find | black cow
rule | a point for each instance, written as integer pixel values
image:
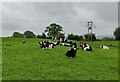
(72, 52)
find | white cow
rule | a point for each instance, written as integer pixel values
(104, 47)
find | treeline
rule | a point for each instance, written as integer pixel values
(55, 31)
(26, 34)
(30, 34)
(86, 37)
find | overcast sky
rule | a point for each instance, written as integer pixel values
(72, 16)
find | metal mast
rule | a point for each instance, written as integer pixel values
(90, 27)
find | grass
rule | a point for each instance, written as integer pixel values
(0, 59)
(29, 62)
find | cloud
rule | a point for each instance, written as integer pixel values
(35, 16)
(60, 0)
(0, 19)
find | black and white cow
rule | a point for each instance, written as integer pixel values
(46, 45)
(104, 47)
(64, 42)
(86, 47)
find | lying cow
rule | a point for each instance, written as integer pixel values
(72, 52)
(65, 42)
(104, 47)
(86, 47)
(46, 45)
(70, 44)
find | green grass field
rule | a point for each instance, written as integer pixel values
(0, 59)
(29, 62)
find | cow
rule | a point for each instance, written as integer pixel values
(71, 53)
(66, 44)
(63, 42)
(104, 47)
(74, 45)
(66, 40)
(46, 45)
(42, 44)
(86, 47)
(70, 44)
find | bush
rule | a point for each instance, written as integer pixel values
(88, 37)
(38, 36)
(17, 35)
(29, 34)
(98, 40)
(48, 37)
(108, 39)
(75, 37)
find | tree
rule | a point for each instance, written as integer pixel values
(17, 35)
(61, 35)
(38, 36)
(81, 37)
(29, 34)
(117, 33)
(43, 35)
(88, 37)
(54, 30)
(70, 36)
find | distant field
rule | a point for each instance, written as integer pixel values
(29, 62)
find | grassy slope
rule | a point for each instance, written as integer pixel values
(0, 59)
(30, 62)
